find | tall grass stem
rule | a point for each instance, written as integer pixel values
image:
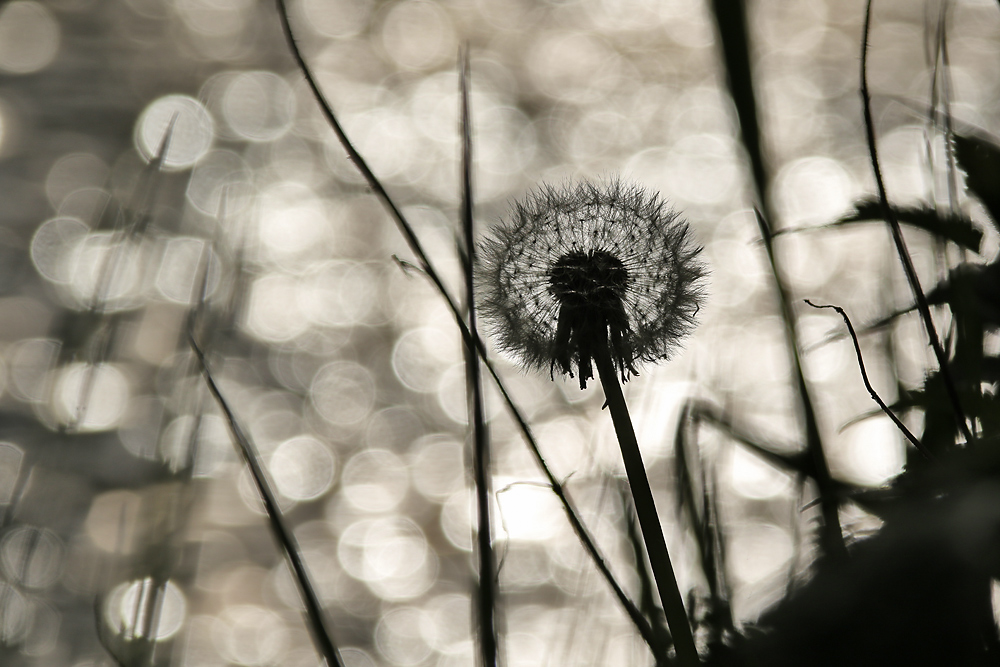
(488, 594)
(731, 21)
(897, 236)
(321, 635)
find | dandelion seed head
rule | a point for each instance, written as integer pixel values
(595, 264)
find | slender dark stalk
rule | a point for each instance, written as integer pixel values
(406, 229)
(645, 510)
(488, 593)
(730, 17)
(322, 637)
(831, 535)
(868, 385)
(897, 236)
(730, 20)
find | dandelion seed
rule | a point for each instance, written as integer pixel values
(588, 266)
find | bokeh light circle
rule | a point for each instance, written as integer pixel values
(15, 614)
(273, 314)
(438, 466)
(190, 137)
(50, 247)
(220, 184)
(302, 468)
(29, 37)
(399, 639)
(375, 480)
(126, 606)
(390, 555)
(258, 106)
(106, 270)
(91, 398)
(418, 34)
(337, 18)
(31, 556)
(250, 635)
(420, 356)
(759, 550)
(343, 393)
(72, 172)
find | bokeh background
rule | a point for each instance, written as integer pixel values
(116, 470)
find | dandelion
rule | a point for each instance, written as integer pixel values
(601, 275)
(596, 264)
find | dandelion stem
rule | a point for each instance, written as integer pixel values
(645, 510)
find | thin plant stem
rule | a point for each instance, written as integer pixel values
(731, 20)
(322, 637)
(831, 536)
(897, 236)
(425, 265)
(645, 510)
(868, 385)
(488, 593)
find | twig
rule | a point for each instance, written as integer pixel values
(425, 265)
(868, 385)
(897, 237)
(322, 637)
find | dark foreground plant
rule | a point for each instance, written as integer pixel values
(600, 275)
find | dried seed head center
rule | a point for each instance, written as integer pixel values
(590, 287)
(592, 279)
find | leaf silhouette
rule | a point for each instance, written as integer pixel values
(959, 230)
(980, 159)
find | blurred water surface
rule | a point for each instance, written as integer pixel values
(117, 478)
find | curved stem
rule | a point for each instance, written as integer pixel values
(427, 267)
(645, 510)
(897, 236)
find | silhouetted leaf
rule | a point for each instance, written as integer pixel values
(959, 230)
(980, 159)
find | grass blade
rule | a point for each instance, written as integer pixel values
(730, 18)
(322, 637)
(488, 593)
(957, 228)
(702, 512)
(731, 22)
